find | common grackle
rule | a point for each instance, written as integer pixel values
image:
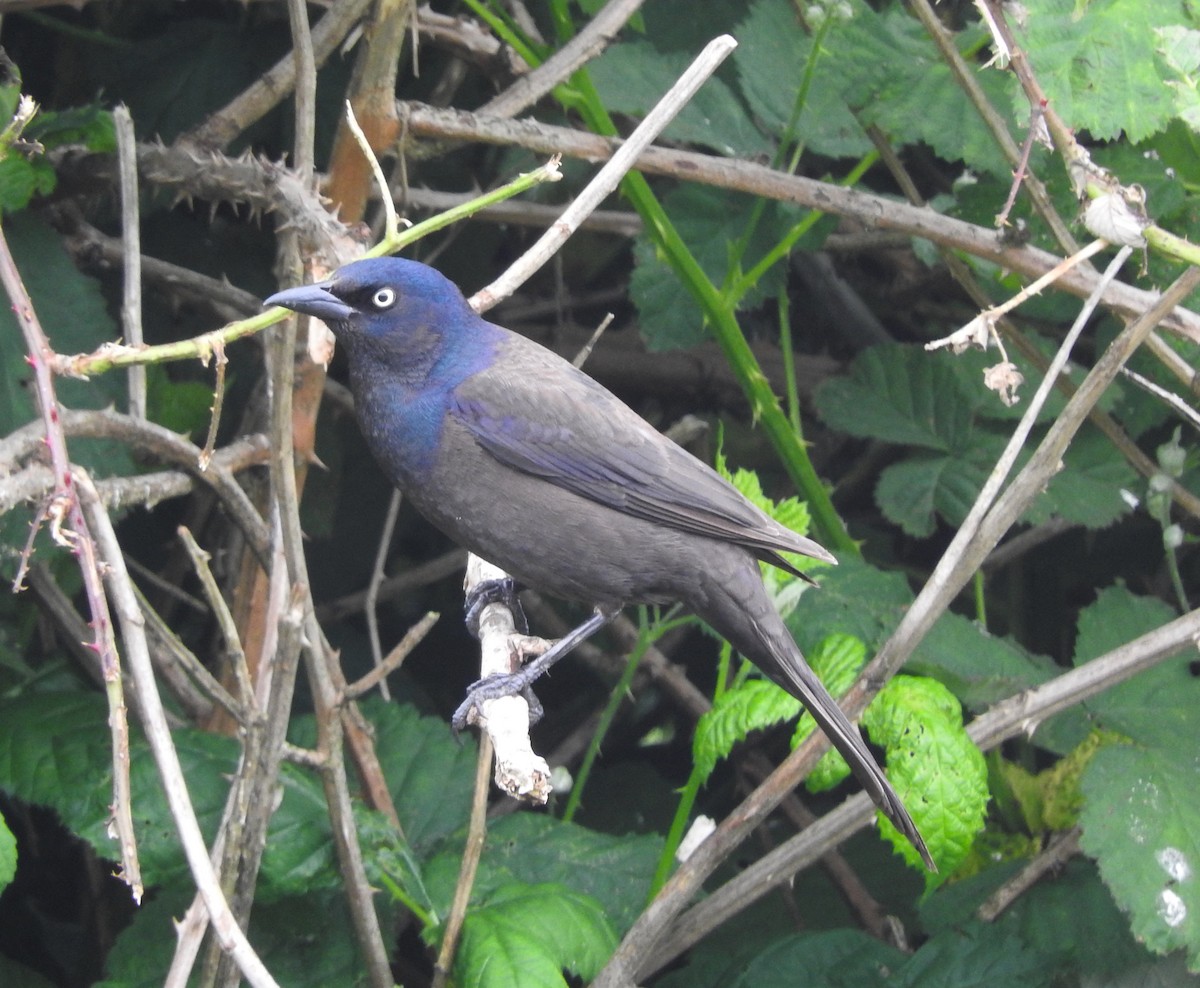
(529, 463)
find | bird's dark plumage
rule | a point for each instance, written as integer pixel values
(528, 462)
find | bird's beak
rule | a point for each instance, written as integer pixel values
(313, 300)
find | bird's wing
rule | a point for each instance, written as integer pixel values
(543, 417)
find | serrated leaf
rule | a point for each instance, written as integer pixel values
(829, 957)
(1100, 71)
(753, 705)
(429, 774)
(528, 934)
(1139, 823)
(901, 394)
(917, 491)
(978, 668)
(8, 854)
(770, 60)
(632, 76)
(934, 767)
(922, 101)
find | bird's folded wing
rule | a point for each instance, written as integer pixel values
(580, 437)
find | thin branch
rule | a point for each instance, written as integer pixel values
(158, 734)
(877, 212)
(394, 659)
(609, 177)
(472, 853)
(1062, 848)
(131, 306)
(1018, 715)
(276, 85)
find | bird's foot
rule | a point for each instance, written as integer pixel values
(496, 687)
(502, 591)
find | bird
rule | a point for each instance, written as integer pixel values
(531, 464)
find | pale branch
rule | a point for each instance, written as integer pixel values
(158, 734)
(158, 442)
(877, 213)
(609, 177)
(1018, 715)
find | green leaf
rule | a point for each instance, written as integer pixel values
(92, 126)
(55, 751)
(21, 179)
(1100, 70)
(614, 870)
(1087, 490)
(917, 491)
(901, 394)
(1156, 707)
(1139, 822)
(429, 774)
(921, 100)
(8, 854)
(751, 706)
(709, 221)
(856, 599)
(934, 766)
(528, 934)
(979, 668)
(973, 958)
(830, 957)
(770, 60)
(1069, 916)
(632, 76)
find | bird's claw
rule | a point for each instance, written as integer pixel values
(502, 591)
(495, 687)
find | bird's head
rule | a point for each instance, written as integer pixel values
(377, 296)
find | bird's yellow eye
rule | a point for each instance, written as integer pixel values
(384, 298)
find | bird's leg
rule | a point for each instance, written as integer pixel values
(502, 591)
(513, 684)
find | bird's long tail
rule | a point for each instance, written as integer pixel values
(759, 633)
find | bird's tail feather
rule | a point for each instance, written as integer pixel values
(793, 673)
(738, 608)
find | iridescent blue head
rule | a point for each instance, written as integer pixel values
(412, 339)
(377, 295)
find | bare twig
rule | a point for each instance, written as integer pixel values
(607, 179)
(275, 86)
(1062, 847)
(392, 661)
(877, 212)
(472, 852)
(377, 573)
(231, 937)
(1017, 715)
(131, 306)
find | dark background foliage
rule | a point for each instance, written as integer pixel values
(897, 443)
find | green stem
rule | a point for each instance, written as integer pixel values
(789, 360)
(648, 634)
(202, 347)
(683, 813)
